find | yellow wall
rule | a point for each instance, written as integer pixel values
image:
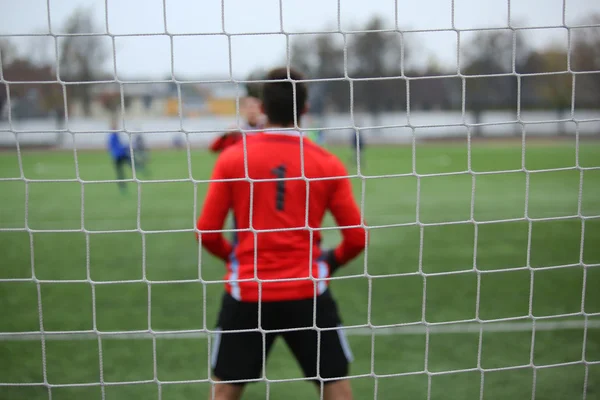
(214, 106)
(221, 106)
(172, 106)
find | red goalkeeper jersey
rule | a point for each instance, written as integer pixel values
(272, 249)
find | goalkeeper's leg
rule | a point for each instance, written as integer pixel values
(338, 390)
(239, 356)
(225, 391)
(324, 356)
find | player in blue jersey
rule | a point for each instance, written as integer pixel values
(119, 154)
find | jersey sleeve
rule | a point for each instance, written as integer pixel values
(216, 206)
(346, 213)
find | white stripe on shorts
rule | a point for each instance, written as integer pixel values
(215, 348)
(345, 344)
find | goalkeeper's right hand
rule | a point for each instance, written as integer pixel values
(328, 256)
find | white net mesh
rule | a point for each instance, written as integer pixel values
(502, 291)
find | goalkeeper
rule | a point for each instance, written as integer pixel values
(250, 109)
(292, 268)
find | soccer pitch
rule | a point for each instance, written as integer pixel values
(402, 282)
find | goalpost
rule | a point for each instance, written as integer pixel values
(575, 126)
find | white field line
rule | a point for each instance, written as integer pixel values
(470, 327)
(373, 218)
(93, 224)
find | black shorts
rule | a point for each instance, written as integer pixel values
(240, 355)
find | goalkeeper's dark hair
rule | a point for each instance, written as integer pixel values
(278, 97)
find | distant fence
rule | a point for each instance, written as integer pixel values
(388, 128)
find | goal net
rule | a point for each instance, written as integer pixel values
(469, 131)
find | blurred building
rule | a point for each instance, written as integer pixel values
(33, 91)
(222, 98)
(158, 99)
(138, 100)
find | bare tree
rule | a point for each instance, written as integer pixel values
(41, 50)
(302, 54)
(8, 52)
(318, 56)
(376, 54)
(585, 56)
(322, 57)
(81, 55)
(491, 53)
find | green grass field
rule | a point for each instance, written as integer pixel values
(394, 366)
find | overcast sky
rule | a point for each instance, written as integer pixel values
(195, 56)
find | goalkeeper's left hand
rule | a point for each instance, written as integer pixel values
(328, 256)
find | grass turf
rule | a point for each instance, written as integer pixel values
(396, 200)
